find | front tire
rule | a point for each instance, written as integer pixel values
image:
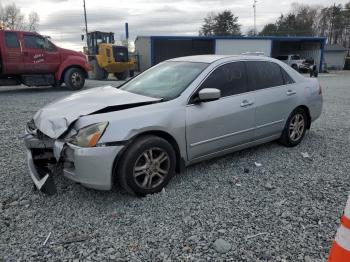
(74, 79)
(122, 76)
(98, 72)
(147, 166)
(295, 128)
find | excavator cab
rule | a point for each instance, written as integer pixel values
(106, 58)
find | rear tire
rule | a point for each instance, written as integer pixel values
(98, 72)
(295, 128)
(122, 76)
(74, 78)
(146, 166)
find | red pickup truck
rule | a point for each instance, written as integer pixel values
(31, 59)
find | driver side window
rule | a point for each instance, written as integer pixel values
(230, 79)
(34, 41)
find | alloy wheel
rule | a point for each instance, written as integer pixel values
(296, 127)
(151, 168)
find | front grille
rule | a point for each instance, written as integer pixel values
(120, 54)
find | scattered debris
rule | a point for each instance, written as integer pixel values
(187, 249)
(79, 238)
(258, 164)
(47, 239)
(305, 155)
(246, 170)
(256, 235)
(269, 186)
(238, 184)
(222, 246)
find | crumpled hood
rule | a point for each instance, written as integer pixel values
(55, 118)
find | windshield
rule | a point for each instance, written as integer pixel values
(166, 80)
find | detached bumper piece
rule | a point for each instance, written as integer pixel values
(90, 167)
(40, 160)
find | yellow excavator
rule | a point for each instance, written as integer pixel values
(107, 58)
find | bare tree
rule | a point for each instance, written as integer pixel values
(12, 18)
(33, 21)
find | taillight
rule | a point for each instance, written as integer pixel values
(319, 90)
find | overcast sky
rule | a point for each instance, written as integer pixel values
(63, 20)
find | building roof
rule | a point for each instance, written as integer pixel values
(335, 48)
(276, 38)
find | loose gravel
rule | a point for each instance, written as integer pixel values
(226, 209)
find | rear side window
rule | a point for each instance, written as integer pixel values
(33, 41)
(264, 75)
(11, 40)
(286, 77)
(230, 79)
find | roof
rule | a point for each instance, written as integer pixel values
(335, 48)
(214, 58)
(276, 38)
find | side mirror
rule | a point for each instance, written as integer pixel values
(208, 94)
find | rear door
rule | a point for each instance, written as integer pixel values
(39, 57)
(221, 124)
(271, 97)
(13, 60)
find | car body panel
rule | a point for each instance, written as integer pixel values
(55, 118)
(230, 124)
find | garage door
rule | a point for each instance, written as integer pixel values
(164, 49)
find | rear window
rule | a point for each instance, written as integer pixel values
(11, 40)
(286, 77)
(264, 75)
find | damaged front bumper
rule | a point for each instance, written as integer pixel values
(91, 167)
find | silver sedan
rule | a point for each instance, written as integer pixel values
(177, 113)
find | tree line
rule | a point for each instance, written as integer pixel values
(12, 18)
(332, 22)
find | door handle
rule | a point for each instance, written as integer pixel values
(246, 103)
(291, 92)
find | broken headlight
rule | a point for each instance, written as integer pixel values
(89, 136)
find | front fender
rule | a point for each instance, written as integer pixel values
(73, 61)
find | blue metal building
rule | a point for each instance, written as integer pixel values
(154, 49)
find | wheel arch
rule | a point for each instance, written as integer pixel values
(86, 75)
(308, 115)
(180, 162)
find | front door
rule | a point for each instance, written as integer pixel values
(38, 58)
(221, 124)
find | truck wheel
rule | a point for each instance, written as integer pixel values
(98, 72)
(122, 75)
(74, 79)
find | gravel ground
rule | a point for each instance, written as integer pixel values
(227, 209)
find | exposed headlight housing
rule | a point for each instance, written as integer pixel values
(89, 136)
